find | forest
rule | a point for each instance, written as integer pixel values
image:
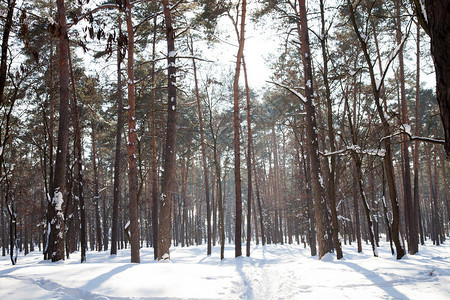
(121, 127)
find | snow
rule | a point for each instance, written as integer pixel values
(272, 272)
(58, 200)
(407, 129)
(171, 54)
(308, 84)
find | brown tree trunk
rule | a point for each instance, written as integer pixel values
(258, 197)
(154, 166)
(98, 229)
(236, 126)
(417, 133)
(249, 164)
(439, 30)
(56, 235)
(203, 148)
(5, 45)
(116, 193)
(169, 159)
(320, 207)
(331, 136)
(79, 189)
(132, 167)
(410, 220)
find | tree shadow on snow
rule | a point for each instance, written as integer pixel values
(380, 282)
(97, 281)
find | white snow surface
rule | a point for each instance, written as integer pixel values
(272, 272)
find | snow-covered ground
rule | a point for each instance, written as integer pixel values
(272, 272)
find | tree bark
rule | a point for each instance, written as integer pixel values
(98, 229)
(331, 136)
(249, 164)
(116, 193)
(79, 166)
(437, 25)
(132, 167)
(203, 148)
(321, 211)
(56, 229)
(154, 166)
(236, 126)
(410, 220)
(5, 45)
(167, 185)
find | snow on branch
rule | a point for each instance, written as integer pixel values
(357, 149)
(406, 129)
(294, 92)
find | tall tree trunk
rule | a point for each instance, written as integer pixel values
(411, 220)
(417, 133)
(79, 189)
(249, 164)
(258, 197)
(236, 126)
(98, 229)
(56, 229)
(203, 148)
(132, 167)
(320, 206)
(167, 186)
(116, 200)
(154, 166)
(331, 136)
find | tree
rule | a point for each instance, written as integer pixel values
(132, 168)
(119, 128)
(388, 157)
(236, 127)
(55, 244)
(167, 186)
(203, 148)
(436, 24)
(319, 202)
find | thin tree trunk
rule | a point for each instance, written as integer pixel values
(116, 200)
(249, 164)
(203, 148)
(169, 159)
(417, 133)
(3, 224)
(79, 166)
(98, 230)
(258, 197)
(411, 220)
(236, 126)
(331, 136)
(132, 167)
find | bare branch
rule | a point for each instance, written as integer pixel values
(294, 92)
